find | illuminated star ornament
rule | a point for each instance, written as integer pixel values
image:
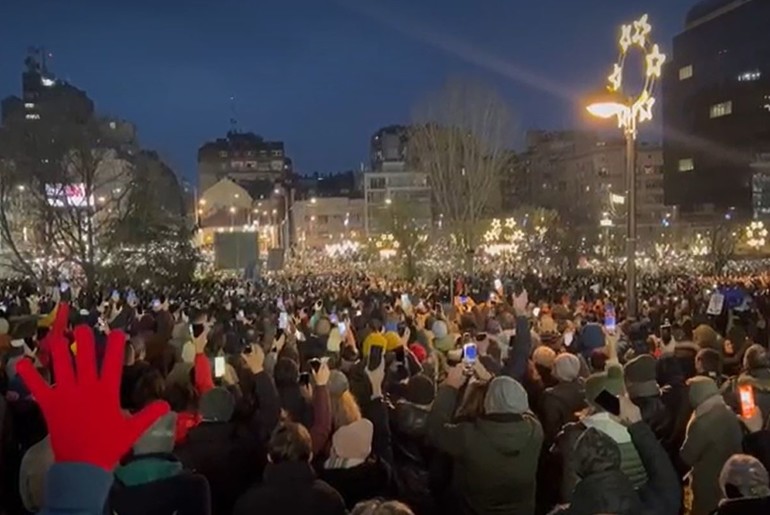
(633, 37)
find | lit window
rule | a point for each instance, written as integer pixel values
(686, 165)
(32, 116)
(29, 105)
(749, 76)
(721, 109)
(45, 81)
(685, 72)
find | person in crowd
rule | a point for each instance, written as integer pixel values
(713, 435)
(378, 507)
(290, 485)
(561, 402)
(604, 488)
(641, 385)
(755, 373)
(35, 465)
(152, 480)
(495, 457)
(745, 487)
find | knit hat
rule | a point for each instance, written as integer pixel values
(755, 357)
(338, 383)
(547, 325)
(353, 441)
(322, 327)
(591, 338)
(544, 356)
(746, 474)
(393, 340)
(420, 390)
(596, 452)
(701, 389)
(419, 352)
(439, 329)
(374, 339)
(217, 405)
(566, 367)
(159, 437)
(188, 353)
(611, 380)
(640, 377)
(505, 395)
(706, 338)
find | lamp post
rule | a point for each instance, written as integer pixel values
(630, 113)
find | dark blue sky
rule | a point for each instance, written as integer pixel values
(322, 75)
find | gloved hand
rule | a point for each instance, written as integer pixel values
(82, 409)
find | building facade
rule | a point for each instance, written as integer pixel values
(325, 223)
(716, 109)
(392, 182)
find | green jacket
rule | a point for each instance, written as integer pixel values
(712, 437)
(143, 470)
(495, 457)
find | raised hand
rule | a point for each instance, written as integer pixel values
(82, 409)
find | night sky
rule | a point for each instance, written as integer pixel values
(321, 75)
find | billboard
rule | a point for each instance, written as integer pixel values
(68, 195)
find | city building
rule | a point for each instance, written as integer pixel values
(246, 159)
(329, 223)
(716, 110)
(392, 182)
(342, 184)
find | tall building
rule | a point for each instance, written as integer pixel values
(391, 181)
(716, 109)
(246, 159)
(325, 223)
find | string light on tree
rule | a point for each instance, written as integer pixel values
(756, 235)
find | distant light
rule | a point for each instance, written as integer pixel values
(45, 81)
(313, 200)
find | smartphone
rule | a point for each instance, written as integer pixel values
(64, 286)
(609, 318)
(536, 312)
(197, 329)
(608, 402)
(463, 299)
(334, 319)
(155, 304)
(400, 354)
(375, 357)
(283, 320)
(319, 305)
(304, 379)
(498, 284)
(343, 328)
(405, 301)
(748, 405)
(315, 364)
(219, 366)
(470, 353)
(568, 338)
(665, 333)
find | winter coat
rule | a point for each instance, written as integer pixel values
(157, 485)
(290, 488)
(228, 459)
(412, 454)
(369, 480)
(558, 406)
(759, 379)
(612, 491)
(564, 447)
(495, 457)
(34, 467)
(744, 506)
(712, 437)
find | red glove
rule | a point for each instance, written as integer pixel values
(82, 410)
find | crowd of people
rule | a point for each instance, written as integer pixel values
(347, 393)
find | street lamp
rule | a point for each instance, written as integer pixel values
(630, 112)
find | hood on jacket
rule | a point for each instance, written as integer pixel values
(605, 492)
(146, 470)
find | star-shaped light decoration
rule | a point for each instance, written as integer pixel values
(655, 62)
(643, 107)
(642, 29)
(616, 79)
(625, 38)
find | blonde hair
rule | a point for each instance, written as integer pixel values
(345, 410)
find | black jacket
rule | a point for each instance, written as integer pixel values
(289, 489)
(369, 480)
(184, 494)
(412, 455)
(229, 459)
(745, 506)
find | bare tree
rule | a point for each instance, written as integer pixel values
(73, 183)
(460, 138)
(723, 240)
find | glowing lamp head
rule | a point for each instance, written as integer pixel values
(605, 110)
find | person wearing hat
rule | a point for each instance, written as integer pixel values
(230, 460)
(495, 457)
(640, 376)
(560, 402)
(153, 480)
(745, 485)
(595, 416)
(755, 372)
(713, 435)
